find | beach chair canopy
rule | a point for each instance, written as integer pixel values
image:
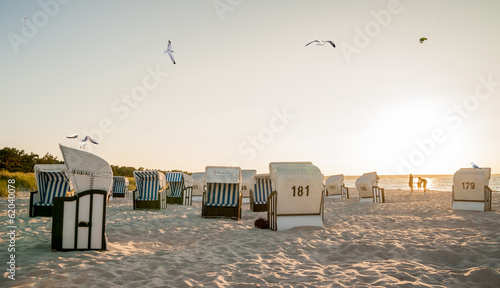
(261, 184)
(52, 181)
(87, 171)
(469, 183)
(334, 184)
(198, 183)
(119, 184)
(177, 181)
(246, 181)
(148, 184)
(223, 186)
(299, 186)
(365, 183)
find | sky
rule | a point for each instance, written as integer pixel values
(246, 91)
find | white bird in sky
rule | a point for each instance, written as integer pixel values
(321, 43)
(83, 142)
(474, 165)
(170, 51)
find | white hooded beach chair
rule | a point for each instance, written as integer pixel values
(52, 181)
(261, 189)
(79, 220)
(179, 189)
(297, 197)
(151, 190)
(198, 185)
(120, 186)
(367, 186)
(222, 197)
(470, 189)
(335, 188)
(246, 183)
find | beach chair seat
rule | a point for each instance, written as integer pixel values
(180, 187)
(151, 190)
(335, 187)
(52, 181)
(297, 197)
(470, 189)
(120, 186)
(367, 186)
(261, 190)
(222, 197)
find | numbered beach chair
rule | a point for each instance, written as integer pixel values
(52, 181)
(79, 220)
(297, 197)
(246, 184)
(335, 188)
(180, 186)
(151, 190)
(470, 189)
(198, 185)
(120, 186)
(261, 189)
(222, 197)
(367, 186)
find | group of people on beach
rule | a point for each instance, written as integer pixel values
(421, 182)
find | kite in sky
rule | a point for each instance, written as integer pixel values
(422, 39)
(321, 43)
(83, 142)
(170, 51)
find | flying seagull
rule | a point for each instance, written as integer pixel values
(422, 39)
(83, 142)
(170, 51)
(474, 165)
(321, 43)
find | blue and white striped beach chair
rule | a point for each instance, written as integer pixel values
(222, 197)
(260, 191)
(52, 181)
(180, 186)
(151, 190)
(120, 186)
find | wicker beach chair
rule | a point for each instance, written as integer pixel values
(120, 186)
(335, 188)
(79, 220)
(297, 197)
(222, 197)
(180, 187)
(470, 189)
(367, 186)
(52, 181)
(261, 189)
(246, 184)
(151, 190)
(198, 185)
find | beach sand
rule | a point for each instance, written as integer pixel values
(413, 240)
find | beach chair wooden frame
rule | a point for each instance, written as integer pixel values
(365, 185)
(52, 181)
(297, 197)
(222, 196)
(470, 191)
(180, 187)
(120, 186)
(151, 191)
(260, 191)
(335, 187)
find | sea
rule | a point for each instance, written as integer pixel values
(434, 182)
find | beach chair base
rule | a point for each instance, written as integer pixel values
(470, 206)
(338, 196)
(259, 207)
(79, 222)
(289, 222)
(118, 195)
(35, 210)
(221, 212)
(366, 199)
(185, 199)
(161, 203)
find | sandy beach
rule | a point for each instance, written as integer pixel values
(413, 240)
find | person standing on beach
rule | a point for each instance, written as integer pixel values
(411, 183)
(419, 183)
(424, 183)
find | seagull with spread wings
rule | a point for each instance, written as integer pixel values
(169, 51)
(83, 142)
(321, 43)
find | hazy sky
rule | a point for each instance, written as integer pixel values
(245, 91)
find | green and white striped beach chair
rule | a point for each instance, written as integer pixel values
(151, 190)
(222, 197)
(120, 186)
(52, 181)
(180, 186)
(261, 184)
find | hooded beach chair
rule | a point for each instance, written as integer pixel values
(261, 189)
(151, 190)
(79, 220)
(222, 197)
(335, 188)
(246, 184)
(180, 186)
(120, 186)
(52, 181)
(297, 197)
(470, 189)
(198, 185)
(367, 186)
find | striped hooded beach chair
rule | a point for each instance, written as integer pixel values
(335, 188)
(367, 186)
(470, 189)
(151, 190)
(297, 197)
(180, 186)
(120, 186)
(222, 197)
(261, 189)
(52, 181)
